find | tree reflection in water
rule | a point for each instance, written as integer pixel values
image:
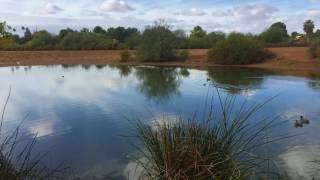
(314, 82)
(236, 80)
(160, 84)
(124, 71)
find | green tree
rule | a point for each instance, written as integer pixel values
(3, 26)
(215, 37)
(181, 38)
(274, 35)
(27, 35)
(84, 41)
(133, 41)
(42, 40)
(198, 32)
(64, 32)
(294, 34)
(99, 30)
(85, 30)
(308, 26)
(157, 43)
(121, 33)
(280, 25)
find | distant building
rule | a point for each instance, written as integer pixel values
(298, 37)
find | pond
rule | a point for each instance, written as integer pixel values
(81, 114)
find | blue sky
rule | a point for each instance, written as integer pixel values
(212, 15)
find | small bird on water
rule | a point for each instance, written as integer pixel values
(300, 122)
(304, 121)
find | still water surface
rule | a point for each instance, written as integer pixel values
(79, 113)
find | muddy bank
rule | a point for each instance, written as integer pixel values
(295, 58)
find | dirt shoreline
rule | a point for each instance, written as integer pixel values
(293, 58)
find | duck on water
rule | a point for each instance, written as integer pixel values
(301, 122)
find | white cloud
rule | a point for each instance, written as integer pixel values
(193, 12)
(116, 6)
(88, 12)
(247, 18)
(222, 13)
(314, 13)
(254, 12)
(50, 8)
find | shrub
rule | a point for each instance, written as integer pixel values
(43, 40)
(6, 42)
(133, 41)
(315, 48)
(157, 44)
(237, 49)
(197, 43)
(269, 54)
(125, 56)
(85, 41)
(183, 55)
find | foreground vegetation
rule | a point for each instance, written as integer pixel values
(226, 145)
(17, 160)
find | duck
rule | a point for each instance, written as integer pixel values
(298, 123)
(304, 121)
(208, 79)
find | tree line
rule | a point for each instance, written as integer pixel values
(130, 38)
(159, 42)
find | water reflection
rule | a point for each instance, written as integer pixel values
(125, 71)
(159, 84)
(238, 81)
(79, 118)
(299, 162)
(314, 83)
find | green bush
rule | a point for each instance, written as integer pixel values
(237, 49)
(43, 40)
(85, 41)
(315, 48)
(197, 43)
(157, 44)
(184, 55)
(269, 54)
(125, 56)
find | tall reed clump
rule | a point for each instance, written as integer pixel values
(17, 160)
(222, 146)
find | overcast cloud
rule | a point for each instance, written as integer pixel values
(222, 15)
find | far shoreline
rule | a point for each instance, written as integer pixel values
(289, 58)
